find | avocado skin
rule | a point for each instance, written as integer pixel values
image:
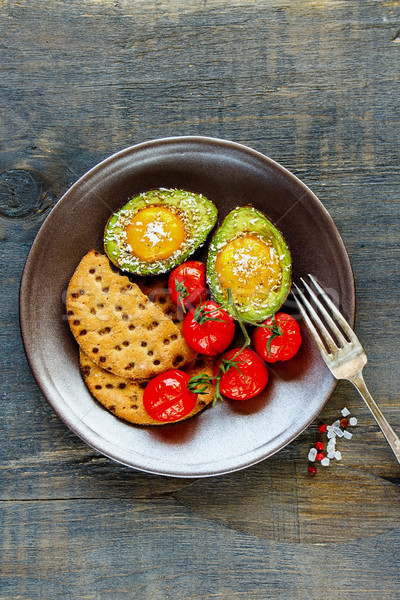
(248, 220)
(197, 212)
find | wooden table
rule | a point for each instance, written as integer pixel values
(312, 84)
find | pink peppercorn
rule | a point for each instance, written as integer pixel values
(322, 428)
(320, 456)
(312, 470)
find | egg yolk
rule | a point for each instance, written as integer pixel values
(250, 267)
(154, 233)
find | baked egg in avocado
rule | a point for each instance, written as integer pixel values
(157, 230)
(250, 256)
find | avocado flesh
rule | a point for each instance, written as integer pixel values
(197, 213)
(249, 246)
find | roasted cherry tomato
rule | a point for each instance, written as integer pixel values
(245, 378)
(166, 397)
(208, 328)
(278, 338)
(187, 284)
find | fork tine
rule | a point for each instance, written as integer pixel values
(311, 327)
(322, 329)
(335, 311)
(341, 340)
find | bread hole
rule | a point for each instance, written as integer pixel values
(75, 295)
(117, 348)
(93, 311)
(166, 341)
(177, 361)
(111, 407)
(150, 353)
(141, 306)
(155, 323)
(98, 278)
(86, 370)
(77, 322)
(130, 366)
(81, 292)
(95, 350)
(92, 271)
(125, 317)
(134, 406)
(131, 327)
(125, 343)
(129, 286)
(122, 386)
(83, 332)
(143, 344)
(100, 305)
(103, 359)
(97, 387)
(118, 307)
(70, 313)
(202, 403)
(109, 386)
(174, 336)
(106, 289)
(156, 362)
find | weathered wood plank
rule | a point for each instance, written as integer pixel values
(157, 549)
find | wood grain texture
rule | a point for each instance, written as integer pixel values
(312, 84)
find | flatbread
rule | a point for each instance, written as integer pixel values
(117, 325)
(124, 397)
(156, 289)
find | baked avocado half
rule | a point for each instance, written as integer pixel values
(250, 256)
(157, 230)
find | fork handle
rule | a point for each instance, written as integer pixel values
(392, 438)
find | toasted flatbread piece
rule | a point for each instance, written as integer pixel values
(124, 397)
(156, 289)
(117, 325)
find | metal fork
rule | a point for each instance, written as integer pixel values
(345, 358)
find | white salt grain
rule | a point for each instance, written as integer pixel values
(325, 462)
(339, 432)
(347, 435)
(345, 412)
(331, 454)
(353, 421)
(338, 455)
(312, 454)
